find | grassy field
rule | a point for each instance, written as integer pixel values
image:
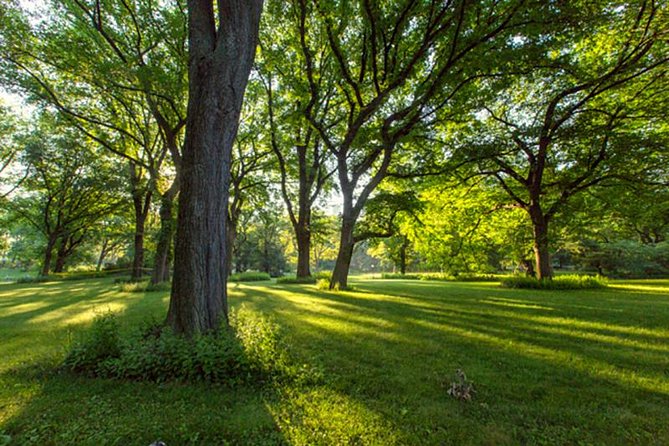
(549, 368)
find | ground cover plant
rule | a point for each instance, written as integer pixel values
(550, 367)
(559, 282)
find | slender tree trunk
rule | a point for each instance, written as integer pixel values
(103, 254)
(138, 246)
(48, 253)
(303, 238)
(230, 236)
(163, 258)
(219, 65)
(403, 255)
(542, 257)
(141, 201)
(343, 263)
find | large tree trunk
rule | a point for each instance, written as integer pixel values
(543, 269)
(346, 245)
(163, 259)
(219, 65)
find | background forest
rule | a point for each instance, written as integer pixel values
(473, 139)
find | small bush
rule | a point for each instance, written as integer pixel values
(250, 350)
(101, 344)
(249, 277)
(323, 284)
(565, 282)
(323, 275)
(162, 286)
(398, 276)
(476, 277)
(296, 280)
(144, 287)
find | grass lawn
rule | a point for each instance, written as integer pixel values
(549, 368)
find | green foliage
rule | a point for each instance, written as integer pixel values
(144, 287)
(296, 280)
(249, 276)
(100, 345)
(627, 258)
(398, 276)
(323, 284)
(313, 279)
(463, 277)
(562, 282)
(250, 350)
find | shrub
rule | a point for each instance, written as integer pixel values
(249, 277)
(102, 343)
(323, 275)
(162, 286)
(565, 282)
(398, 276)
(296, 280)
(133, 287)
(476, 277)
(250, 350)
(323, 284)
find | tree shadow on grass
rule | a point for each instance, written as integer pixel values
(545, 372)
(69, 410)
(46, 407)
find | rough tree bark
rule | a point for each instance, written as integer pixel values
(220, 60)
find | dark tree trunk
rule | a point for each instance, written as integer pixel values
(141, 201)
(403, 255)
(343, 263)
(48, 253)
(230, 236)
(219, 65)
(61, 256)
(163, 259)
(303, 237)
(542, 257)
(138, 246)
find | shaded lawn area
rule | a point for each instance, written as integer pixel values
(549, 367)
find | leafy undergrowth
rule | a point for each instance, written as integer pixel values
(250, 350)
(249, 276)
(143, 287)
(563, 282)
(549, 368)
(313, 279)
(462, 277)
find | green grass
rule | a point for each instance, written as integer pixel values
(549, 368)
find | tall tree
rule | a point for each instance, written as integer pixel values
(117, 70)
(304, 163)
(69, 189)
(222, 39)
(579, 114)
(394, 66)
